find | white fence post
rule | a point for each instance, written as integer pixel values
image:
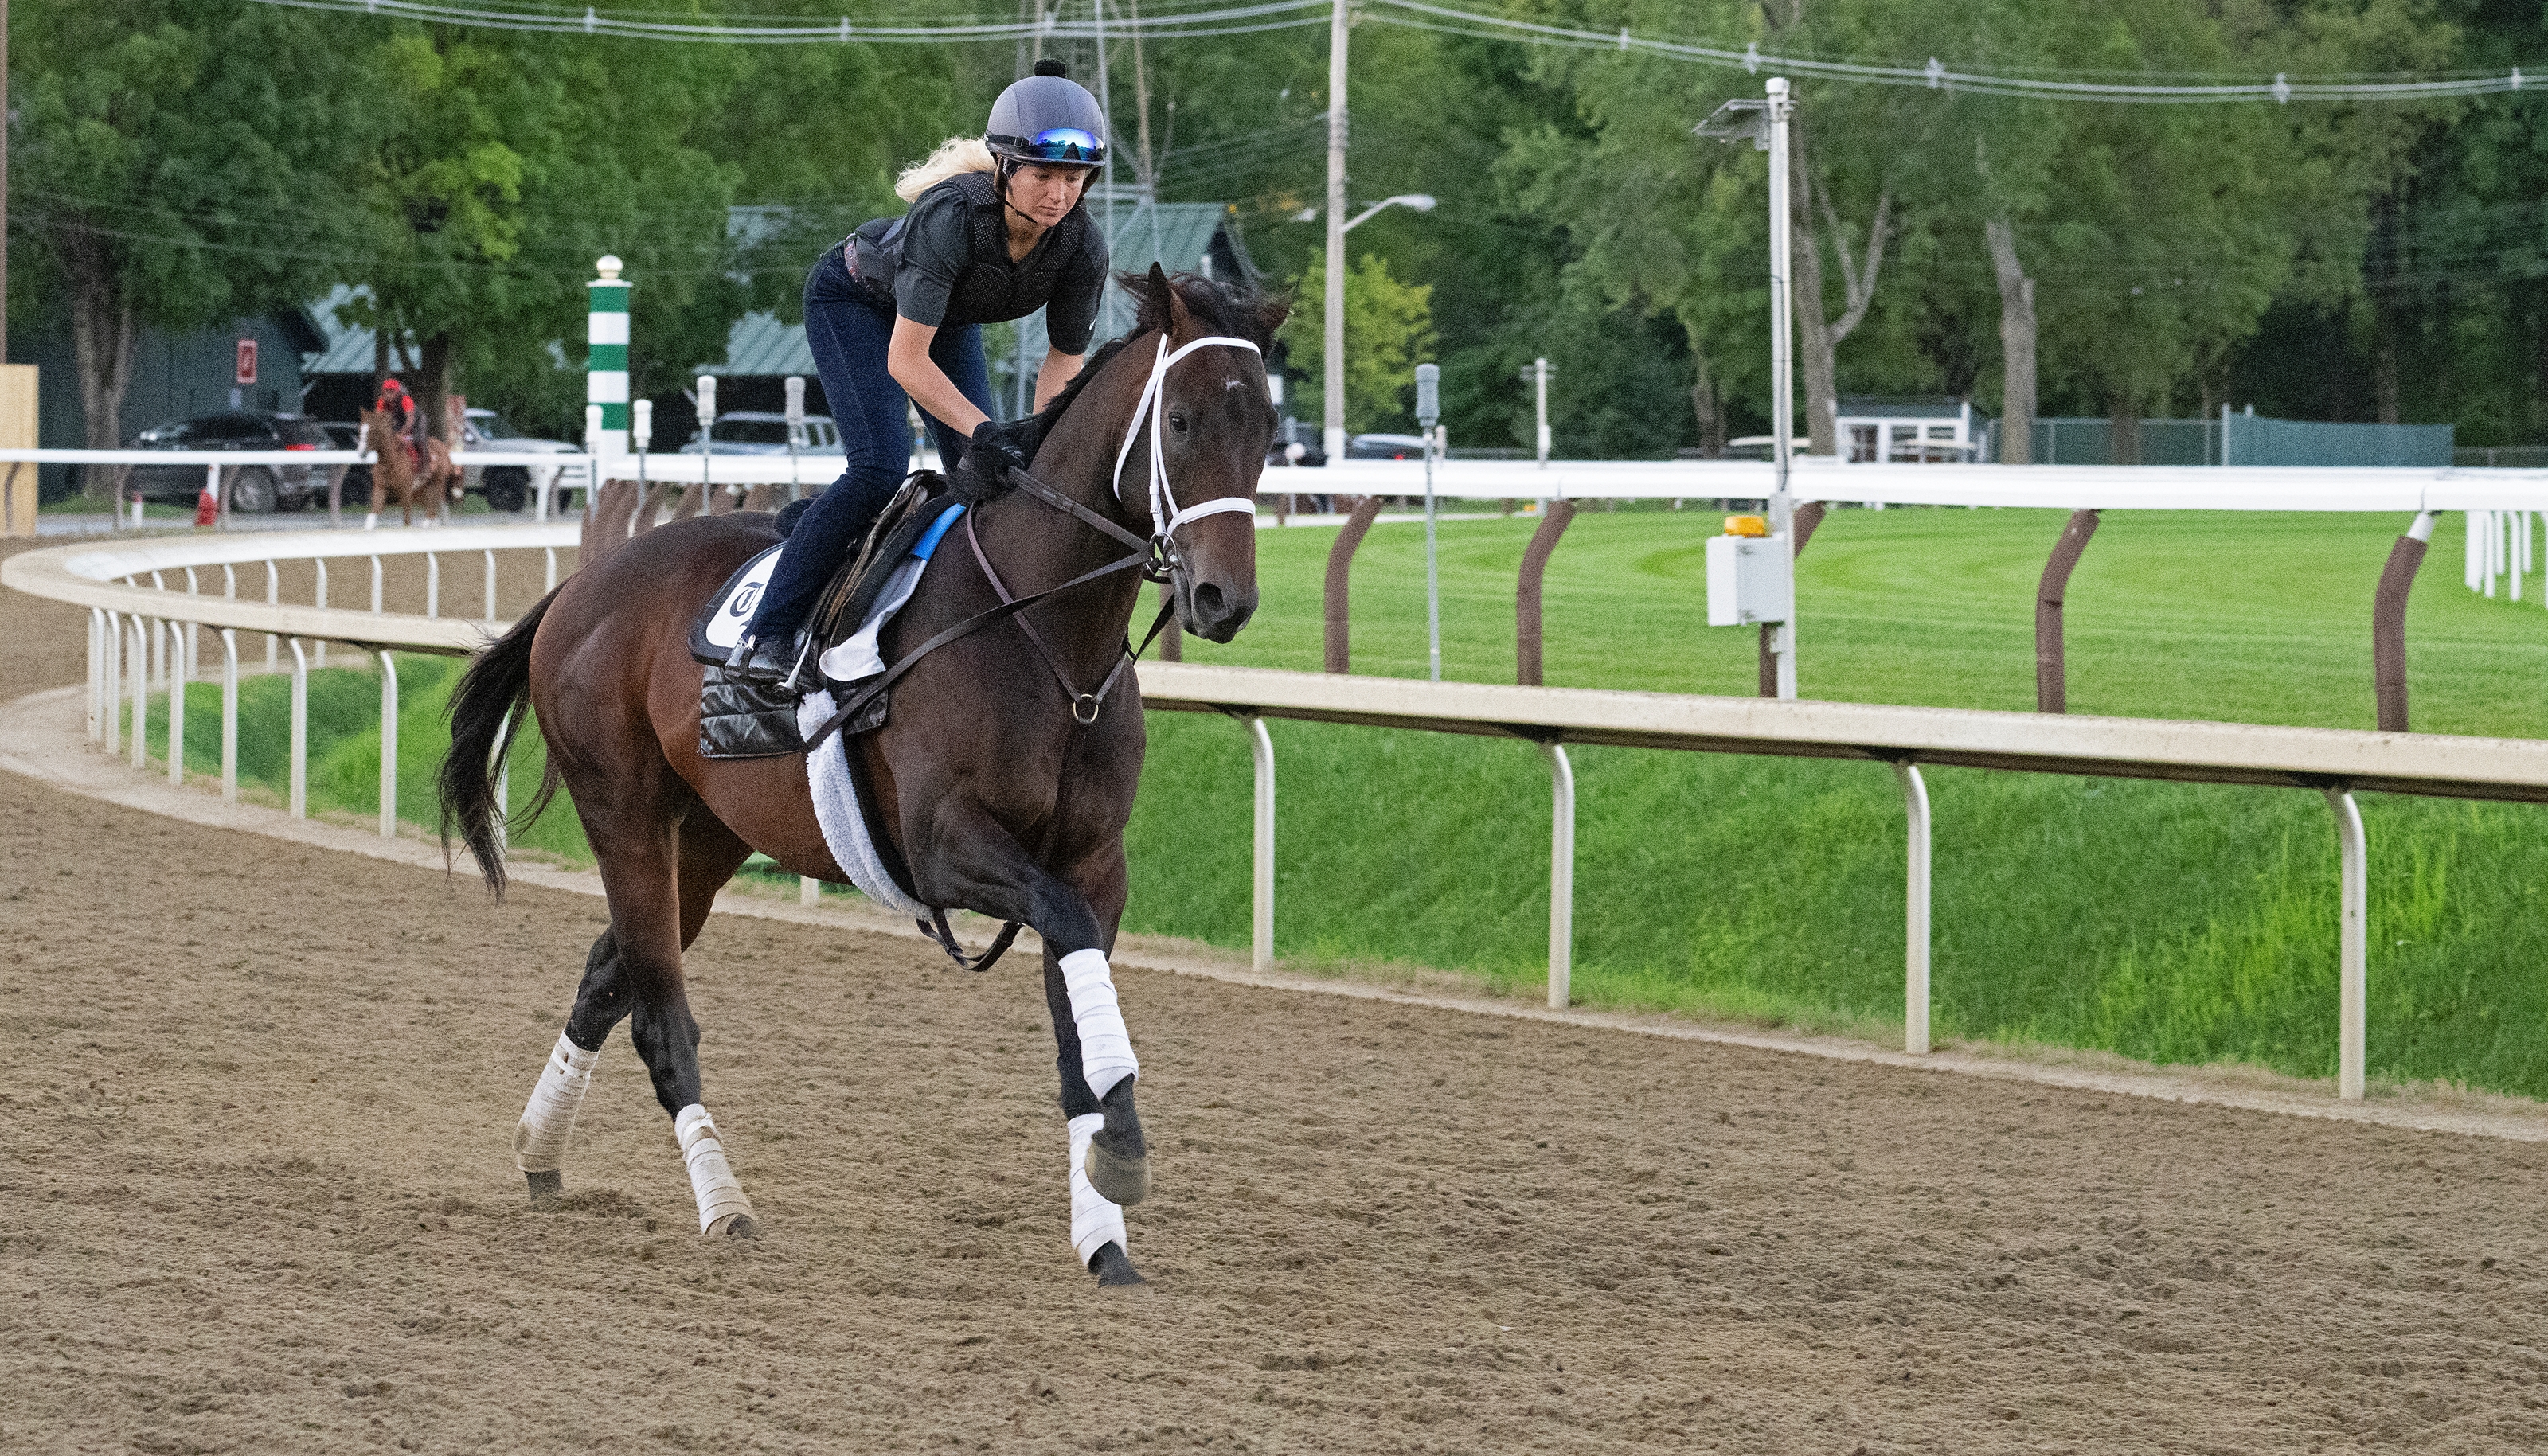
(111, 684)
(300, 731)
(273, 597)
(194, 630)
(321, 564)
(375, 583)
(1263, 938)
(491, 584)
(96, 669)
(389, 744)
(1561, 876)
(181, 670)
(140, 677)
(229, 716)
(432, 585)
(1915, 918)
(549, 582)
(2352, 936)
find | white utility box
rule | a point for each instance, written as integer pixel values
(1750, 579)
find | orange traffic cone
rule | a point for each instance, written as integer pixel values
(208, 511)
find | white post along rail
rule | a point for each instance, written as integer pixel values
(139, 622)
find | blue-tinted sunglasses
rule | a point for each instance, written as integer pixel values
(1061, 145)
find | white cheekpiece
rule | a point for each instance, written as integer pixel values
(1094, 1223)
(712, 1180)
(539, 1139)
(1104, 1047)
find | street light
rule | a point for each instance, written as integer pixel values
(1335, 434)
(1418, 201)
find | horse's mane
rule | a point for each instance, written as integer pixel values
(1225, 309)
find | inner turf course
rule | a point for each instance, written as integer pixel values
(2173, 923)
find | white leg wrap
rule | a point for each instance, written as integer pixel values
(539, 1139)
(1094, 1223)
(1105, 1047)
(711, 1179)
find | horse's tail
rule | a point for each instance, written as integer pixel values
(487, 709)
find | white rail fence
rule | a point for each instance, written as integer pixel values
(144, 626)
(553, 472)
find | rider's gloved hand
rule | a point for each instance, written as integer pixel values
(994, 450)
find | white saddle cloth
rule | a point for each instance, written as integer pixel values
(835, 809)
(827, 768)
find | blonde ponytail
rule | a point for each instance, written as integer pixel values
(955, 154)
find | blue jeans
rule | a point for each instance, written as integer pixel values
(849, 329)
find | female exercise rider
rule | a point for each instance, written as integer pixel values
(995, 231)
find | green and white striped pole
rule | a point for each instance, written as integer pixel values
(605, 378)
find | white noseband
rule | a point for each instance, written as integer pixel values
(1165, 517)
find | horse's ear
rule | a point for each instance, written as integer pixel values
(1180, 321)
(1271, 311)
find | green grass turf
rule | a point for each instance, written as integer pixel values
(2169, 922)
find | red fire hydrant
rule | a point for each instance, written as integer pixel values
(208, 508)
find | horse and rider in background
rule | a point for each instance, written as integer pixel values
(414, 467)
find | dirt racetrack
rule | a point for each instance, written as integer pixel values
(256, 1194)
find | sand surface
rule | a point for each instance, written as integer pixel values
(256, 1194)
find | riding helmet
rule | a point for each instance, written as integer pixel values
(1048, 118)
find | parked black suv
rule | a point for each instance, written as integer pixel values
(254, 489)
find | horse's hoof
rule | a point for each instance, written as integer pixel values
(1114, 1271)
(735, 1225)
(545, 1186)
(1119, 1160)
(1118, 1180)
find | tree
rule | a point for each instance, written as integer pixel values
(1389, 328)
(493, 168)
(1661, 222)
(163, 182)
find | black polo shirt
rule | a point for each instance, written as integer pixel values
(946, 264)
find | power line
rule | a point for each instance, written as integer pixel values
(743, 30)
(1229, 20)
(1934, 75)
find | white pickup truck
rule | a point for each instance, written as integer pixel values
(508, 488)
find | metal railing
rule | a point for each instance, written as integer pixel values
(2332, 762)
(141, 634)
(557, 469)
(145, 627)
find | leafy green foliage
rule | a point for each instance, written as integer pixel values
(1389, 330)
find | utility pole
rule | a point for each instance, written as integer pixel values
(1782, 402)
(1540, 383)
(4, 181)
(1428, 413)
(1335, 331)
(1106, 104)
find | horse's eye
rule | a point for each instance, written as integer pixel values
(1177, 421)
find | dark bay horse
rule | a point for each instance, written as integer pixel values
(996, 796)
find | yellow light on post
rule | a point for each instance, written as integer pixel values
(1746, 526)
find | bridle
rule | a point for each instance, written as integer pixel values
(1155, 556)
(1165, 517)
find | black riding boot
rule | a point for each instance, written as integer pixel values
(783, 661)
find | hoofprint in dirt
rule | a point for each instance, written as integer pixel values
(258, 1193)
